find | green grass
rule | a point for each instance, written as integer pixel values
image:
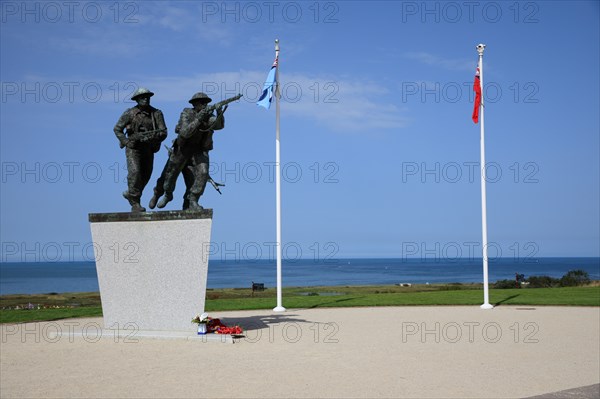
(23, 316)
(88, 304)
(54, 306)
(569, 296)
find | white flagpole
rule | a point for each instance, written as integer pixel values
(486, 290)
(279, 307)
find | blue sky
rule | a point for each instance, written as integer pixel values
(380, 156)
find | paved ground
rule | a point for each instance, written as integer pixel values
(587, 392)
(388, 352)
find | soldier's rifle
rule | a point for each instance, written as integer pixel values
(145, 136)
(208, 111)
(215, 184)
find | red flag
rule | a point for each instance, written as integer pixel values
(477, 90)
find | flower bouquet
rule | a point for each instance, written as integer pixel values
(209, 325)
(202, 320)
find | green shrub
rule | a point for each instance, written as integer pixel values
(502, 284)
(574, 278)
(542, 282)
(450, 287)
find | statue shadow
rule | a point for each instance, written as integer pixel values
(506, 299)
(260, 322)
(326, 304)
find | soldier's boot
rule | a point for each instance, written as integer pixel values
(193, 203)
(137, 207)
(165, 200)
(154, 200)
(134, 202)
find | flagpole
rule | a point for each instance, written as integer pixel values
(486, 290)
(279, 307)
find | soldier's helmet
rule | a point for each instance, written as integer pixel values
(202, 97)
(142, 91)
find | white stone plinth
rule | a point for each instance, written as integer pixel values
(152, 268)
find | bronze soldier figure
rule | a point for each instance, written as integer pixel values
(189, 154)
(140, 130)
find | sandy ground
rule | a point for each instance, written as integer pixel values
(414, 352)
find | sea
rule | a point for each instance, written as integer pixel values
(59, 277)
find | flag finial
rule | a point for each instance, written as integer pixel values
(480, 47)
(276, 44)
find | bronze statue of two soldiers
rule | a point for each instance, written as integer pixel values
(142, 129)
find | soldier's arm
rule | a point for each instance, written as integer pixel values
(217, 122)
(120, 128)
(160, 124)
(188, 123)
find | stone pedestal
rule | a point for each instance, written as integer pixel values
(152, 268)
